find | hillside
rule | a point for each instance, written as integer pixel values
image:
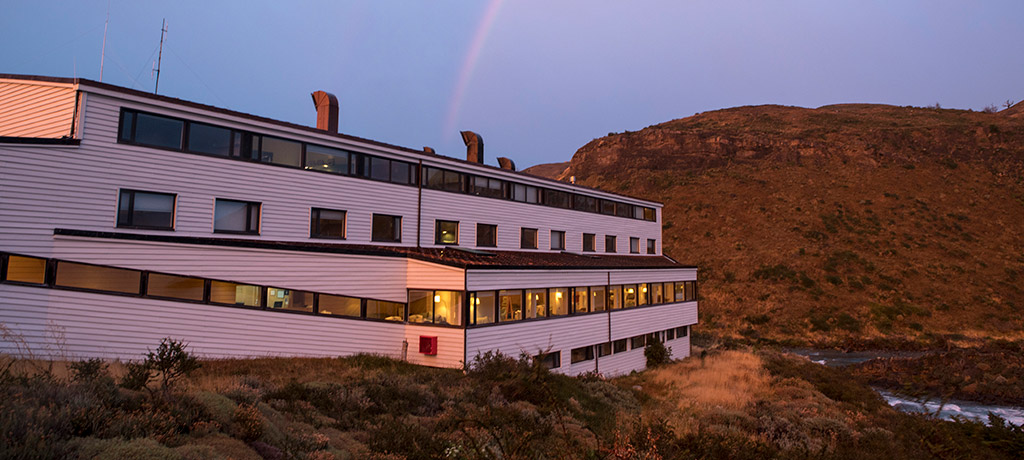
(847, 225)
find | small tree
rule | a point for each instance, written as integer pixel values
(171, 361)
(656, 353)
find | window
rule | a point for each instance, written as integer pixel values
(536, 303)
(175, 287)
(634, 245)
(510, 305)
(147, 210)
(550, 360)
(336, 305)
(525, 193)
(615, 297)
(454, 182)
(380, 309)
(227, 293)
(23, 269)
(230, 216)
(151, 130)
(597, 298)
(680, 291)
(670, 334)
(643, 294)
(580, 298)
(652, 246)
(446, 232)
(213, 140)
(581, 354)
(402, 172)
(650, 214)
(584, 203)
(481, 307)
(691, 290)
(607, 207)
(682, 331)
(327, 223)
(486, 235)
(656, 293)
(556, 198)
(559, 301)
(386, 228)
(380, 169)
(619, 346)
(287, 299)
(604, 349)
(279, 151)
(96, 278)
(638, 342)
(623, 210)
(629, 295)
(609, 243)
(327, 159)
(448, 307)
(485, 186)
(528, 238)
(557, 240)
(588, 242)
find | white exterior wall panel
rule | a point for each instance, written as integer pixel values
(631, 322)
(622, 363)
(36, 109)
(653, 275)
(483, 280)
(119, 327)
(533, 337)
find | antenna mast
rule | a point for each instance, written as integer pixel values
(160, 55)
(103, 51)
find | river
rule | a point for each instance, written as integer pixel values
(952, 409)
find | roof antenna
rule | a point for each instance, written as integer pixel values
(103, 51)
(160, 55)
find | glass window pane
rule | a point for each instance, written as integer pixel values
(380, 168)
(642, 294)
(175, 287)
(126, 125)
(581, 354)
(536, 303)
(607, 207)
(421, 307)
(70, 274)
(634, 245)
(236, 216)
(584, 203)
(580, 299)
(327, 223)
(609, 243)
(559, 301)
(453, 181)
(691, 293)
(652, 246)
(483, 307)
(557, 240)
(400, 172)
(153, 210)
(615, 297)
(158, 131)
(448, 307)
(619, 346)
(326, 159)
(486, 235)
(433, 178)
(629, 295)
(228, 293)
(280, 151)
(680, 292)
(287, 299)
(337, 305)
(379, 309)
(528, 238)
(588, 242)
(656, 293)
(124, 209)
(386, 228)
(446, 232)
(604, 349)
(510, 305)
(598, 296)
(209, 139)
(26, 269)
(623, 210)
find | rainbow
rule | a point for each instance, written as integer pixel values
(468, 66)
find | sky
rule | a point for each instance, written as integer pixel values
(537, 79)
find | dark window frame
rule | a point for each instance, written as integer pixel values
(131, 209)
(652, 246)
(494, 235)
(613, 247)
(250, 206)
(397, 224)
(437, 232)
(634, 245)
(592, 247)
(620, 345)
(555, 358)
(587, 353)
(314, 224)
(522, 240)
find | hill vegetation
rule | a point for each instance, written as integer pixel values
(850, 225)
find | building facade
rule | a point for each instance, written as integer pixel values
(126, 217)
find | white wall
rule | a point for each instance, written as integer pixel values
(482, 280)
(107, 326)
(36, 109)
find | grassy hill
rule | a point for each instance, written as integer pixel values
(847, 225)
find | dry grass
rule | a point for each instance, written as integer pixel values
(725, 380)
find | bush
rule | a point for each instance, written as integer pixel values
(656, 353)
(137, 376)
(89, 370)
(170, 361)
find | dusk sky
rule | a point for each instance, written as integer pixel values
(537, 79)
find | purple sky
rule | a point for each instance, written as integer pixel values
(537, 79)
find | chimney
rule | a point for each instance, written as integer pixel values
(326, 111)
(474, 146)
(506, 163)
(429, 150)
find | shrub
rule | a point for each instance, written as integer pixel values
(248, 422)
(775, 273)
(171, 362)
(89, 370)
(137, 376)
(656, 353)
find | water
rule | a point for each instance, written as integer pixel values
(964, 409)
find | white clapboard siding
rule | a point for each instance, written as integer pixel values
(485, 280)
(635, 321)
(425, 275)
(36, 109)
(534, 337)
(451, 345)
(78, 325)
(622, 363)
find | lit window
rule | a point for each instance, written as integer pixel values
(389, 311)
(26, 269)
(336, 305)
(175, 287)
(528, 238)
(510, 305)
(280, 151)
(96, 278)
(486, 235)
(536, 303)
(597, 298)
(327, 159)
(481, 307)
(438, 307)
(387, 229)
(227, 293)
(327, 223)
(232, 216)
(615, 297)
(559, 301)
(287, 299)
(557, 240)
(446, 232)
(147, 210)
(629, 295)
(580, 300)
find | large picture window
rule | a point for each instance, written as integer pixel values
(280, 151)
(386, 229)
(528, 238)
(380, 309)
(327, 223)
(327, 159)
(437, 307)
(213, 140)
(147, 210)
(481, 307)
(486, 235)
(287, 299)
(446, 232)
(152, 130)
(228, 293)
(337, 305)
(230, 216)
(582, 354)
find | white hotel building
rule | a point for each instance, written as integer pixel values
(127, 217)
